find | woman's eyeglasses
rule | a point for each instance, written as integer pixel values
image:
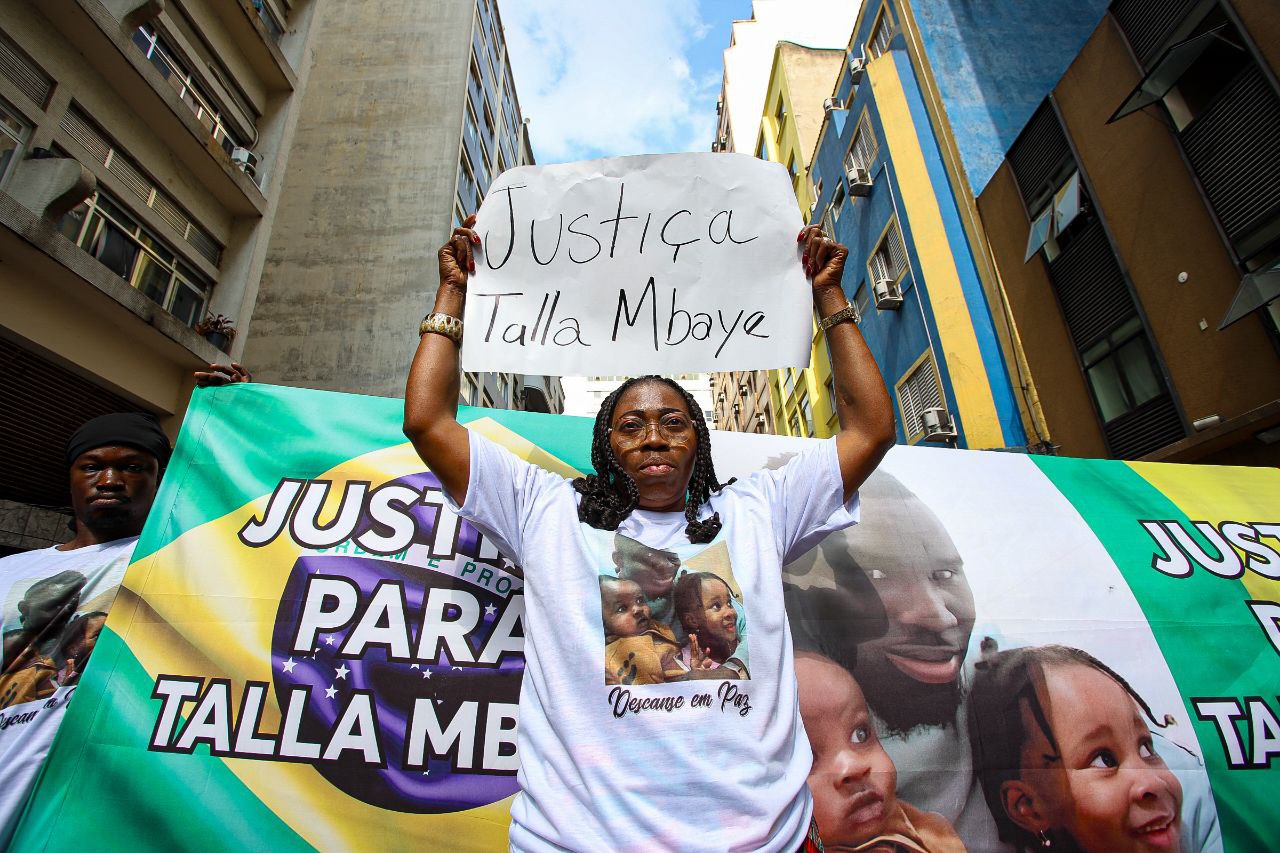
(675, 428)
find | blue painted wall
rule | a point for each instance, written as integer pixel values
(898, 337)
(995, 61)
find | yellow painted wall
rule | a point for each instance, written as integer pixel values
(956, 336)
(782, 142)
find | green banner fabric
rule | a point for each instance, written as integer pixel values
(1079, 651)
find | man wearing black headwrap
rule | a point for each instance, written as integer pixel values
(115, 464)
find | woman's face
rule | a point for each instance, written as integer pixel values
(653, 438)
(1107, 787)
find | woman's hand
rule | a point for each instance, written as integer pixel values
(457, 257)
(822, 258)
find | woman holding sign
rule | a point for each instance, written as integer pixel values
(659, 705)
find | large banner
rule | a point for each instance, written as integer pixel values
(310, 651)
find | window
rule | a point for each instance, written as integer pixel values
(1191, 74)
(817, 191)
(102, 228)
(762, 152)
(100, 148)
(468, 192)
(889, 261)
(1122, 371)
(806, 412)
(467, 390)
(795, 425)
(275, 29)
(162, 56)
(881, 34)
(1060, 221)
(863, 148)
(919, 390)
(13, 135)
(789, 383)
(862, 301)
(791, 168)
(780, 115)
(837, 202)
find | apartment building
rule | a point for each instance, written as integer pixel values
(142, 149)
(410, 112)
(745, 398)
(1136, 225)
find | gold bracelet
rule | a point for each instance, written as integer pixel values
(442, 324)
(848, 312)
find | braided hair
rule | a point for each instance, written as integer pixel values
(609, 495)
(1002, 686)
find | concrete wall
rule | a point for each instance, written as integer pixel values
(994, 62)
(368, 196)
(749, 57)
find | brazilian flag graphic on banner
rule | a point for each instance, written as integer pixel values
(309, 650)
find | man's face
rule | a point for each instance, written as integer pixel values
(653, 570)
(625, 612)
(853, 780)
(112, 489)
(911, 673)
(717, 620)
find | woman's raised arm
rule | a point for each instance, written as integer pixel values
(862, 401)
(431, 396)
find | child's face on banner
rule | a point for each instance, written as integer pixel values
(719, 619)
(1106, 785)
(853, 780)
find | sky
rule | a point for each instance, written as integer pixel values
(604, 79)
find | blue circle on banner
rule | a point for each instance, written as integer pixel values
(415, 701)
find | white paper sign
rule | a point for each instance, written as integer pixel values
(654, 264)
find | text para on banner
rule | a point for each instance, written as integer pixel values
(685, 261)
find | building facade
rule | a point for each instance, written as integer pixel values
(745, 399)
(930, 95)
(1136, 225)
(410, 112)
(799, 81)
(142, 148)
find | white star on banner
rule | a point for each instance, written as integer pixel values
(328, 641)
(426, 673)
(342, 671)
(289, 665)
(490, 610)
(330, 692)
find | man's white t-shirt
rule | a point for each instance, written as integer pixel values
(52, 605)
(705, 765)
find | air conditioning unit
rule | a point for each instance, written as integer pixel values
(246, 160)
(859, 181)
(857, 66)
(724, 142)
(937, 425)
(887, 293)
(832, 104)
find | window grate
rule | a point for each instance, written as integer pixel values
(1039, 157)
(881, 35)
(22, 71)
(918, 391)
(1234, 148)
(890, 257)
(86, 133)
(1148, 24)
(864, 148)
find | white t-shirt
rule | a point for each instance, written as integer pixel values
(52, 606)
(706, 765)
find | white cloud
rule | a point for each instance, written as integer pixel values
(602, 79)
